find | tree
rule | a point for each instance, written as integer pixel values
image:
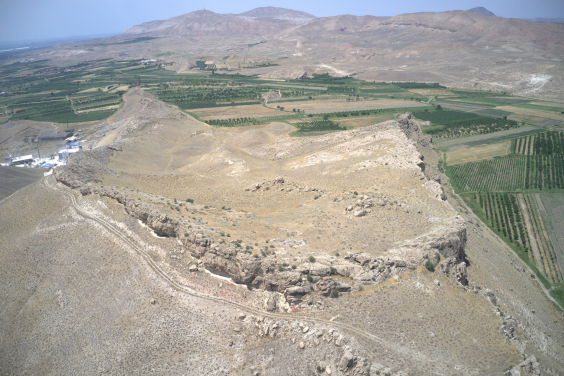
(439, 108)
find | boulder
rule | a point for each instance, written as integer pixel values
(298, 290)
(529, 366)
(271, 304)
(325, 285)
(347, 360)
(318, 269)
(461, 274)
(490, 295)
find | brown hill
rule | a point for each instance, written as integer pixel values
(325, 26)
(462, 26)
(279, 14)
(207, 23)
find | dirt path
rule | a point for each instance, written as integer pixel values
(177, 286)
(532, 239)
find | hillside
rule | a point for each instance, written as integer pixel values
(260, 21)
(278, 14)
(481, 10)
(273, 193)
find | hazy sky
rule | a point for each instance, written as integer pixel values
(37, 19)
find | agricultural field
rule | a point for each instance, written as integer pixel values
(318, 125)
(478, 153)
(552, 211)
(517, 219)
(447, 124)
(346, 104)
(504, 192)
(485, 139)
(532, 112)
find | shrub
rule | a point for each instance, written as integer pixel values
(190, 200)
(333, 270)
(294, 266)
(311, 259)
(334, 293)
(429, 265)
(309, 278)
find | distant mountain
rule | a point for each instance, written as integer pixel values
(483, 11)
(279, 14)
(429, 28)
(545, 20)
(344, 24)
(207, 23)
(259, 21)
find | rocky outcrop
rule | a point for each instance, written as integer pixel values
(280, 184)
(274, 274)
(444, 242)
(83, 167)
(529, 366)
(448, 241)
(163, 225)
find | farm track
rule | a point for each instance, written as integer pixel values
(178, 287)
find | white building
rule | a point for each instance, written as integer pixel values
(14, 161)
(65, 153)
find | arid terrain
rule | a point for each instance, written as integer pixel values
(183, 248)
(457, 48)
(250, 223)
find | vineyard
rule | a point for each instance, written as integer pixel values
(93, 107)
(497, 174)
(207, 97)
(238, 122)
(418, 85)
(537, 163)
(342, 89)
(370, 112)
(452, 123)
(319, 125)
(547, 143)
(516, 218)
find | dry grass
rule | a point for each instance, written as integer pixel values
(344, 105)
(478, 153)
(530, 112)
(255, 110)
(527, 119)
(363, 121)
(432, 92)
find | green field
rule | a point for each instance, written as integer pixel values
(505, 193)
(537, 163)
(517, 219)
(454, 124)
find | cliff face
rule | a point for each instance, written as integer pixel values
(273, 274)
